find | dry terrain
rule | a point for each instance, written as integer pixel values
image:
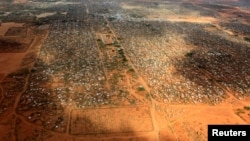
(138, 70)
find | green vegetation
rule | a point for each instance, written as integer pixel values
(135, 76)
(124, 59)
(190, 54)
(121, 52)
(211, 25)
(119, 38)
(148, 96)
(240, 111)
(141, 88)
(131, 70)
(66, 77)
(247, 107)
(117, 45)
(156, 3)
(247, 39)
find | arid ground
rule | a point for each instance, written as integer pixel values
(127, 70)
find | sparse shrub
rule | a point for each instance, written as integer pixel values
(148, 96)
(131, 70)
(33, 70)
(247, 107)
(125, 59)
(121, 52)
(190, 54)
(156, 3)
(247, 39)
(141, 88)
(239, 111)
(117, 45)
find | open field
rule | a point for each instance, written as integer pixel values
(103, 121)
(112, 70)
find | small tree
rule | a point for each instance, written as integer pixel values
(141, 88)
